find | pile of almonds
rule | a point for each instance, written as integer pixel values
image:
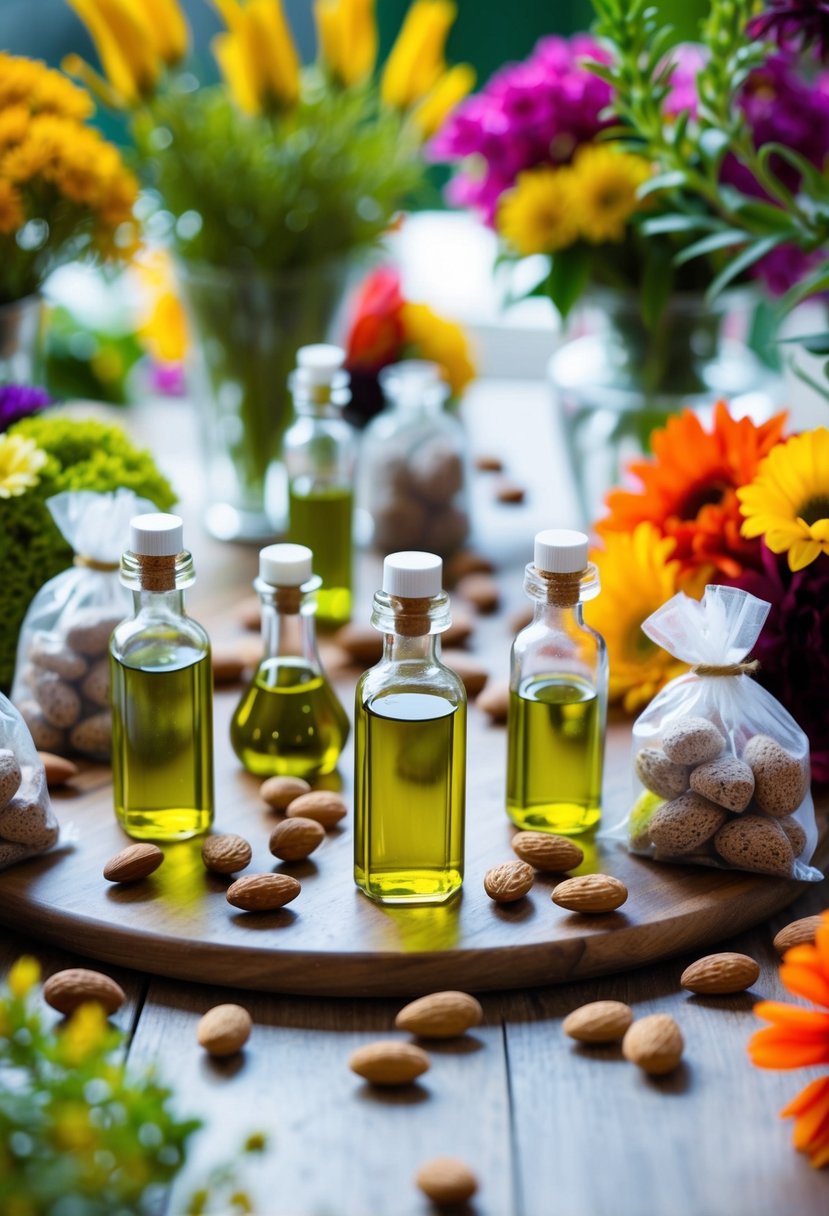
(719, 808)
(27, 825)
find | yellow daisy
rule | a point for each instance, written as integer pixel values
(637, 576)
(11, 208)
(20, 463)
(538, 214)
(604, 186)
(788, 501)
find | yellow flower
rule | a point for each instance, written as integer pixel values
(257, 56)
(14, 123)
(162, 325)
(85, 1033)
(40, 89)
(23, 976)
(20, 462)
(538, 214)
(430, 114)
(637, 576)
(71, 1127)
(788, 501)
(347, 35)
(12, 214)
(416, 61)
(440, 341)
(124, 37)
(604, 189)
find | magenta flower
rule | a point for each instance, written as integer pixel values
(795, 25)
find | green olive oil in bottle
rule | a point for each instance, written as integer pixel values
(558, 695)
(162, 687)
(410, 746)
(289, 722)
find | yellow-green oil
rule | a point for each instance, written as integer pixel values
(321, 518)
(554, 755)
(289, 722)
(409, 800)
(162, 741)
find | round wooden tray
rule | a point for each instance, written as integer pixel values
(333, 941)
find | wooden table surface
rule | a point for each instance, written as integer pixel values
(549, 1127)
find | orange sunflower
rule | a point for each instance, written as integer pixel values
(800, 1037)
(689, 491)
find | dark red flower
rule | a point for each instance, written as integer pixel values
(794, 25)
(375, 335)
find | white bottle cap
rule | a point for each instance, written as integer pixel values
(156, 535)
(285, 565)
(319, 362)
(560, 551)
(413, 575)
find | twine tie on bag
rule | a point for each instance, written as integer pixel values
(746, 668)
(92, 563)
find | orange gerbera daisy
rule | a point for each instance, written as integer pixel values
(800, 1037)
(689, 490)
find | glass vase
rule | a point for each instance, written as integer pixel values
(618, 381)
(246, 327)
(20, 335)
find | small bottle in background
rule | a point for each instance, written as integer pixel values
(162, 685)
(558, 695)
(410, 745)
(319, 457)
(289, 721)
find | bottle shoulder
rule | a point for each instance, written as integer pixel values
(164, 631)
(418, 677)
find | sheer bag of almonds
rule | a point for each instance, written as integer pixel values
(721, 769)
(27, 824)
(61, 678)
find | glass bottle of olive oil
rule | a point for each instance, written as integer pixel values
(289, 722)
(558, 695)
(410, 745)
(319, 457)
(162, 687)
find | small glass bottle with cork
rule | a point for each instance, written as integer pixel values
(558, 694)
(162, 685)
(410, 745)
(319, 456)
(289, 721)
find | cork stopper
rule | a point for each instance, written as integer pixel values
(156, 540)
(285, 568)
(560, 560)
(411, 580)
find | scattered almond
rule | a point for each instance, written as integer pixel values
(494, 700)
(389, 1062)
(598, 1022)
(489, 464)
(262, 892)
(552, 854)
(225, 853)
(224, 1029)
(58, 769)
(279, 792)
(228, 665)
(465, 562)
(361, 643)
(249, 613)
(473, 674)
(798, 933)
(481, 591)
(590, 893)
(655, 1043)
(509, 881)
(446, 1181)
(324, 806)
(510, 493)
(133, 863)
(461, 629)
(718, 974)
(441, 1015)
(781, 779)
(66, 990)
(296, 839)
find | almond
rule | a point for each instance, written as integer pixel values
(494, 700)
(781, 779)
(224, 1029)
(279, 792)
(228, 665)
(225, 854)
(481, 591)
(489, 464)
(692, 741)
(389, 1062)
(659, 774)
(262, 892)
(66, 990)
(509, 492)
(462, 563)
(58, 769)
(655, 1043)
(719, 974)
(798, 933)
(552, 854)
(249, 613)
(509, 881)
(133, 863)
(473, 675)
(10, 776)
(441, 1015)
(460, 630)
(361, 643)
(296, 838)
(322, 805)
(590, 893)
(446, 1181)
(598, 1022)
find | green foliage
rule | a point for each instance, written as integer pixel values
(83, 455)
(275, 192)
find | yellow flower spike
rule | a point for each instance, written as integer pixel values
(431, 113)
(73, 65)
(170, 33)
(347, 36)
(85, 1033)
(20, 463)
(416, 60)
(12, 216)
(273, 39)
(124, 41)
(257, 56)
(23, 976)
(229, 54)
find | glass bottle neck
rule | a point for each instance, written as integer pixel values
(289, 634)
(400, 649)
(558, 616)
(159, 603)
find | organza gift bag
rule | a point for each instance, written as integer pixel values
(721, 769)
(61, 679)
(27, 825)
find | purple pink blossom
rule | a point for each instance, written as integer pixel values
(18, 401)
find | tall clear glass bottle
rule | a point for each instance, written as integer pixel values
(319, 456)
(410, 745)
(558, 695)
(162, 685)
(289, 721)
